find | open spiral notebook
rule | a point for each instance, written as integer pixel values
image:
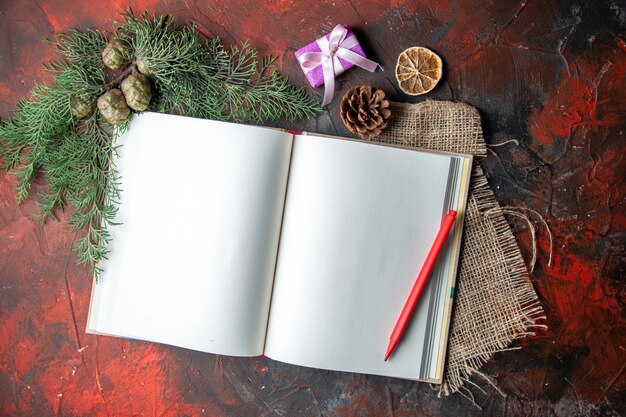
(243, 240)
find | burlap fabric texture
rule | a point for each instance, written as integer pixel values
(495, 302)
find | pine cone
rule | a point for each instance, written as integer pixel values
(143, 67)
(365, 111)
(82, 106)
(137, 90)
(116, 54)
(113, 107)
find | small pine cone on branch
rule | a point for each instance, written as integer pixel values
(113, 107)
(116, 54)
(143, 67)
(137, 91)
(82, 106)
(365, 111)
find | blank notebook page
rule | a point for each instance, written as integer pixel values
(192, 263)
(359, 221)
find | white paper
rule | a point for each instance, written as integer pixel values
(359, 221)
(192, 264)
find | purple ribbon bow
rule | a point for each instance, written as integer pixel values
(337, 46)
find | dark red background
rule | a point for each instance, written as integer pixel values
(547, 73)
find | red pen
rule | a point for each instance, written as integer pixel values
(446, 225)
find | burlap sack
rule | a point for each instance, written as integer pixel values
(495, 302)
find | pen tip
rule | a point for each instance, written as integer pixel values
(389, 350)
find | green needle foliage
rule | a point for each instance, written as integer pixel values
(190, 76)
(203, 79)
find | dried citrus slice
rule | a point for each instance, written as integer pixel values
(418, 70)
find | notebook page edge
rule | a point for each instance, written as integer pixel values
(386, 145)
(452, 278)
(282, 222)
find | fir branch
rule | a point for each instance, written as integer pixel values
(81, 47)
(165, 48)
(205, 79)
(77, 79)
(77, 157)
(95, 190)
(39, 119)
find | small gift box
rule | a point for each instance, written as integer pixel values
(331, 55)
(314, 75)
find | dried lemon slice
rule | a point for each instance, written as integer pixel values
(418, 70)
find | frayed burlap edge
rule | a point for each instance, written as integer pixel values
(495, 302)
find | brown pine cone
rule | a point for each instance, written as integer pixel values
(365, 111)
